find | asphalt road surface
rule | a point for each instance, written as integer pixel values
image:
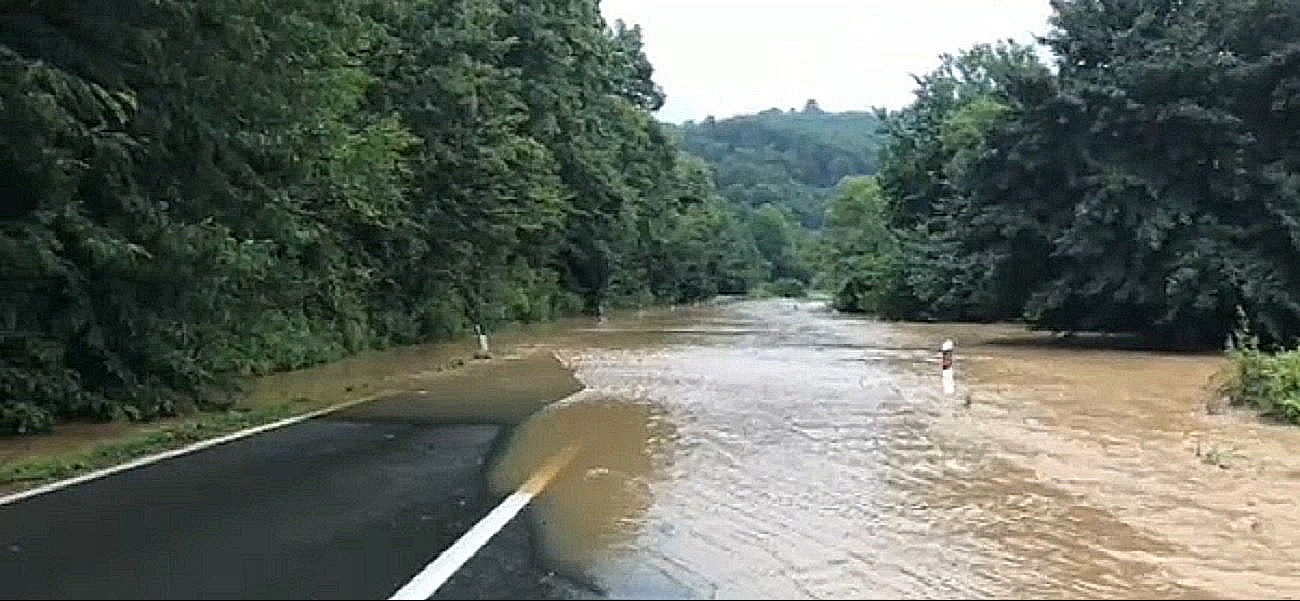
(340, 507)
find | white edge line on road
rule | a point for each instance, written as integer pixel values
(427, 582)
(434, 575)
(198, 446)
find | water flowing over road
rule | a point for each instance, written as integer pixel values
(752, 449)
(775, 449)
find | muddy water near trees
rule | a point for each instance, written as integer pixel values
(774, 449)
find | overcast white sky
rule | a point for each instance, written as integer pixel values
(727, 57)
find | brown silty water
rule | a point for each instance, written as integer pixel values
(774, 449)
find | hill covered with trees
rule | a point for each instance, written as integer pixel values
(788, 159)
(778, 168)
(190, 191)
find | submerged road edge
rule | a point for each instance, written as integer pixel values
(424, 584)
(185, 450)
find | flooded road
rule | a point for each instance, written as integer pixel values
(773, 449)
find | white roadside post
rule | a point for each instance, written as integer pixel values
(949, 379)
(483, 351)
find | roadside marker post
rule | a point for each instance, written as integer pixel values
(949, 378)
(483, 351)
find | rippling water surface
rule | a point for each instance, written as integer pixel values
(774, 449)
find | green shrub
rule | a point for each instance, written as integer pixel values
(787, 287)
(24, 418)
(1269, 382)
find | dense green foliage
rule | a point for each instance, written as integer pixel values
(929, 172)
(193, 190)
(784, 287)
(781, 242)
(788, 159)
(860, 253)
(1147, 185)
(1268, 382)
(779, 168)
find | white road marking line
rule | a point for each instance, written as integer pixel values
(434, 575)
(198, 446)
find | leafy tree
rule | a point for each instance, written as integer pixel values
(196, 191)
(861, 253)
(1146, 186)
(927, 172)
(791, 160)
(1190, 215)
(779, 241)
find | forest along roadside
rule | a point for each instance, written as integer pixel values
(773, 448)
(78, 447)
(348, 504)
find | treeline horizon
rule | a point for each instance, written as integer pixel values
(778, 169)
(191, 192)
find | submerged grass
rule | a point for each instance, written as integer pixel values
(1269, 382)
(36, 470)
(77, 448)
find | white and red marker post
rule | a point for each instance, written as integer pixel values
(483, 351)
(949, 379)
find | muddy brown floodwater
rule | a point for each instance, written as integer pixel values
(774, 449)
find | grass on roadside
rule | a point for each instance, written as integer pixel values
(193, 429)
(66, 453)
